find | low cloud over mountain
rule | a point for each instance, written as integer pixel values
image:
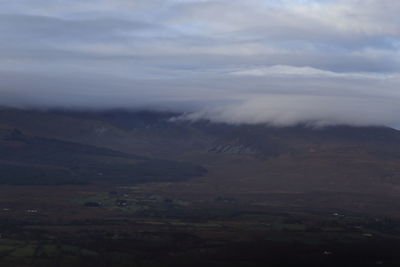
(280, 62)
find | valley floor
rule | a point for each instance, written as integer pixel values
(154, 225)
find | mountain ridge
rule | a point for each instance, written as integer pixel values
(338, 158)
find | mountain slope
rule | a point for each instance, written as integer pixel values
(28, 159)
(240, 158)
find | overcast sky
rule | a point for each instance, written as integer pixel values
(281, 62)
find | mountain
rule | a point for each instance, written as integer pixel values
(26, 159)
(245, 158)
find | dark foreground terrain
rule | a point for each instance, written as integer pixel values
(143, 226)
(146, 189)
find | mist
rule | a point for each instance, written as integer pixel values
(324, 62)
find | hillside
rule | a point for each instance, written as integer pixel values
(26, 159)
(240, 158)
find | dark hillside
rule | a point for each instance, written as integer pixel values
(28, 159)
(299, 157)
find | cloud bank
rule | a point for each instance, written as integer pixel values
(254, 61)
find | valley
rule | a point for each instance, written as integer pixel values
(150, 191)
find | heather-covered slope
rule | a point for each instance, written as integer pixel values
(240, 158)
(26, 159)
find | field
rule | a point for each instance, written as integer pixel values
(141, 225)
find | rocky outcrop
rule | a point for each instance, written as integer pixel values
(233, 149)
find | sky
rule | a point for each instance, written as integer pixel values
(255, 61)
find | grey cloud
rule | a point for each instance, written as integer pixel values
(280, 62)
